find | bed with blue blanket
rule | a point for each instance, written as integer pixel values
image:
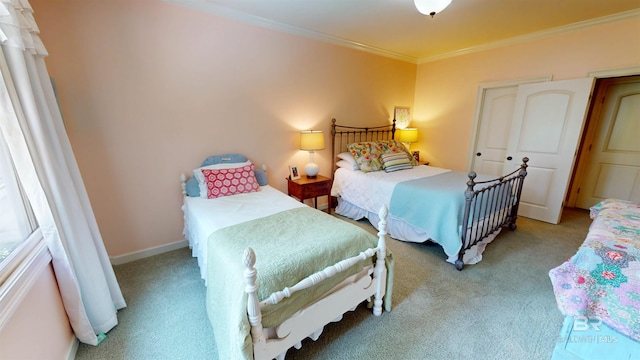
(598, 288)
(462, 212)
(276, 270)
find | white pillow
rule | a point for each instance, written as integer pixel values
(346, 165)
(346, 156)
(200, 177)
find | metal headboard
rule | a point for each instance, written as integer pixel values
(341, 136)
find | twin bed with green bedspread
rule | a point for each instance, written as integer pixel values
(289, 246)
(277, 271)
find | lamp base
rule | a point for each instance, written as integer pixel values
(312, 176)
(311, 170)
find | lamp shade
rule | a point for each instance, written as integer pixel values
(408, 135)
(431, 7)
(311, 140)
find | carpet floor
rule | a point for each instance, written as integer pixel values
(500, 308)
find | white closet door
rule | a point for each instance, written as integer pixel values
(613, 169)
(547, 126)
(493, 134)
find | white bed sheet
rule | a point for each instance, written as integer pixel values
(360, 194)
(204, 216)
(357, 187)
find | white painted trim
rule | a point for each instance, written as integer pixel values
(19, 254)
(514, 82)
(608, 73)
(141, 254)
(535, 35)
(73, 349)
(18, 284)
(482, 87)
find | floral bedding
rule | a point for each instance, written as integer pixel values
(368, 154)
(602, 280)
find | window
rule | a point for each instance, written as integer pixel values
(16, 216)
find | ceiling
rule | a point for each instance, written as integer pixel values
(394, 28)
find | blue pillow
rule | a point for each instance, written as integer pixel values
(192, 187)
(261, 176)
(224, 158)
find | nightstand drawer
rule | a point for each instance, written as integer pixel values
(294, 189)
(317, 189)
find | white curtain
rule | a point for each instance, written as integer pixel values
(34, 131)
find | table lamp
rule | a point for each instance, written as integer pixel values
(311, 140)
(407, 136)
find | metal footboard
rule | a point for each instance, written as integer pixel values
(490, 207)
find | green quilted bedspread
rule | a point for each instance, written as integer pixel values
(289, 246)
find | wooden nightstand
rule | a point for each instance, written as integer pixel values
(306, 188)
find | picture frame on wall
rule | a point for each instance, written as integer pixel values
(402, 115)
(294, 174)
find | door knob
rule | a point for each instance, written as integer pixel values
(478, 154)
(509, 158)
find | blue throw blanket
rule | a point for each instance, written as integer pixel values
(436, 205)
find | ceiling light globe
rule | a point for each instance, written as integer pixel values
(431, 7)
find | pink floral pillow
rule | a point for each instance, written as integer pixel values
(368, 153)
(225, 182)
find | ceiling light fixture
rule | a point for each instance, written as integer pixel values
(431, 7)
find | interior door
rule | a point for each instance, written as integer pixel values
(547, 126)
(493, 134)
(613, 165)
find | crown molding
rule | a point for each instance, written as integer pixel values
(274, 25)
(535, 35)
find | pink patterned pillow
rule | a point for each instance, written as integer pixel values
(225, 182)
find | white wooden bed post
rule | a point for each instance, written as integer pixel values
(183, 184)
(380, 273)
(253, 306)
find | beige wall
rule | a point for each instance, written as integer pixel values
(39, 327)
(446, 90)
(148, 90)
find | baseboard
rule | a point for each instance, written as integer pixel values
(141, 254)
(321, 205)
(73, 348)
